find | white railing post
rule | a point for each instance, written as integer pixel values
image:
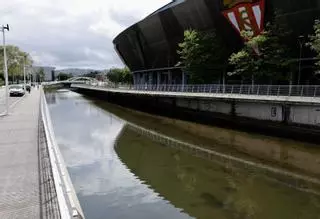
(315, 91)
(268, 90)
(232, 89)
(290, 89)
(301, 90)
(258, 89)
(278, 90)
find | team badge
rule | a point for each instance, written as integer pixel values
(245, 15)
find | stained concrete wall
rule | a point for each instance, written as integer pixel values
(290, 119)
(268, 111)
(308, 115)
(205, 105)
(261, 111)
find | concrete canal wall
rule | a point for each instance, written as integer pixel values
(290, 113)
(297, 118)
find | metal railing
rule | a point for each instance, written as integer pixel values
(69, 206)
(260, 90)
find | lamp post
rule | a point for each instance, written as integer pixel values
(301, 41)
(3, 29)
(24, 70)
(24, 73)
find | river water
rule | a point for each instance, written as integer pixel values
(118, 172)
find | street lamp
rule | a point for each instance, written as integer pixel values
(24, 70)
(3, 29)
(301, 42)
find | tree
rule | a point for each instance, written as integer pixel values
(203, 56)
(120, 75)
(127, 77)
(92, 74)
(40, 75)
(267, 56)
(315, 41)
(63, 76)
(16, 58)
(247, 63)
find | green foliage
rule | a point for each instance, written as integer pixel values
(120, 75)
(266, 56)
(92, 74)
(203, 56)
(15, 60)
(315, 41)
(63, 76)
(40, 74)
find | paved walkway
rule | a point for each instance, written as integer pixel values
(19, 177)
(12, 101)
(240, 97)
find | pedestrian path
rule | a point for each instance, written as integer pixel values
(12, 101)
(19, 168)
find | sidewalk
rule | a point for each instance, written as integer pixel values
(12, 101)
(19, 170)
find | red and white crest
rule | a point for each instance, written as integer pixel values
(245, 15)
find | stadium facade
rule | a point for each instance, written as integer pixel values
(149, 47)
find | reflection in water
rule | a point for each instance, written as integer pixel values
(206, 190)
(137, 184)
(294, 155)
(105, 186)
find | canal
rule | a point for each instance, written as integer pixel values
(119, 171)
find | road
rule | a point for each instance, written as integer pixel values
(12, 100)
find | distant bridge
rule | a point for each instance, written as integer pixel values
(73, 80)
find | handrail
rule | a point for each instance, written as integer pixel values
(69, 206)
(239, 89)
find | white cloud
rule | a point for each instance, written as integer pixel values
(72, 33)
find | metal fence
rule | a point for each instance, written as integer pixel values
(261, 90)
(67, 200)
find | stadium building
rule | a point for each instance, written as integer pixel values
(149, 47)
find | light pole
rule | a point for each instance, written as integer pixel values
(24, 72)
(3, 29)
(301, 41)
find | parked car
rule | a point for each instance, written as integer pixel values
(16, 90)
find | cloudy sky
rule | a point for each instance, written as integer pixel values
(72, 33)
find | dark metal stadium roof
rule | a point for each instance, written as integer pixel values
(171, 4)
